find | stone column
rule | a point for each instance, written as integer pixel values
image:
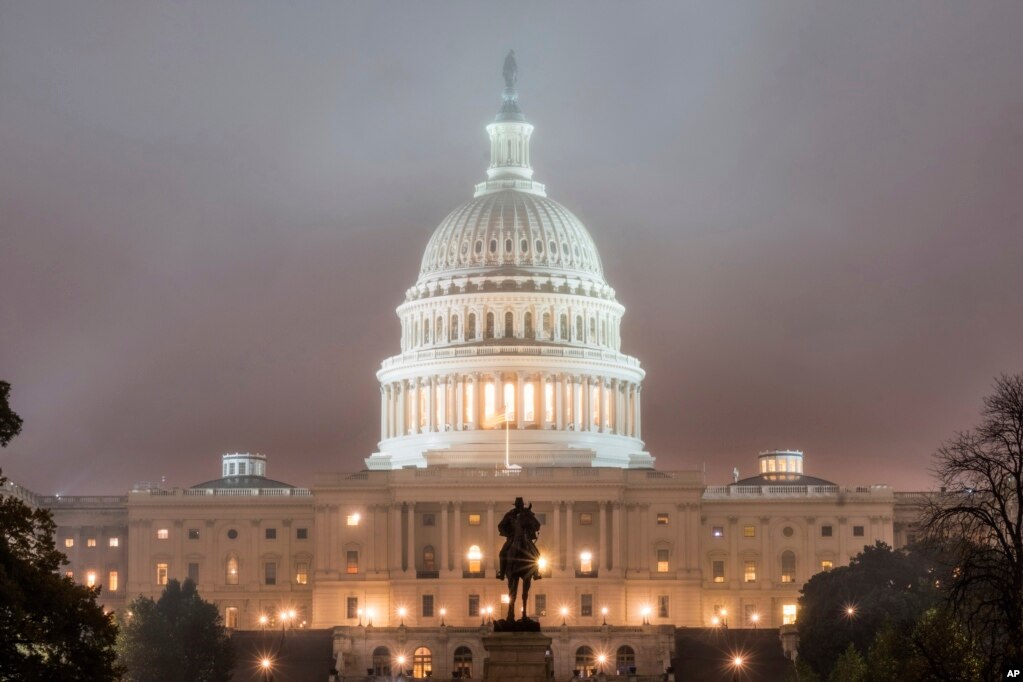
(681, 541)
(587, 406)
(616, 536)
(602, 543)
(541, 400)
(457, 555)
(556, 561)
(733, 550)
(410, 520)
(806, 570)
(383, 413)
(639, 418)
(840, 560)
(601, 405)
(399, 409)
(644, 537)
(416, 402)
(490, 548)
(520, 401)
(445, 558)
(431, 404)
(395, 511)
(569, 545)
(766, 569)
(371, 527)
(559, 402)
(458, 422)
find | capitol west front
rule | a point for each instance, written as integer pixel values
(510, 380)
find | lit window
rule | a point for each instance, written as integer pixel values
(90, 542)
(351, 561)
(662, 561)
(270, 533)
(788, 614)
(231, 617)
(662, 519)
(162, 534)
(69, 542)
(429, 558)
(475, 556)
(857, 531)
(161, 574)
(663, 606)
(112, 581)
(540, 605)
(352, 520)
(422, 663)
(115, 542)
(718, 571)
(474, 519)
(231, 577)
(826, 531)
(69, 574)
(302, 573)
(750, 571)
(827, 565)
(90, 578)
(585, 519)
(718, 532)
(193, 533)
(788, 567)
(749, 531)
(586, 562)
(586, 605)
(270, 573)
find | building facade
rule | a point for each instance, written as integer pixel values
(510, 381)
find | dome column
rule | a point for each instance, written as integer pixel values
(559, 402)
(541, 401)
(639, 414)
(431, 404)
(602, 413)
(383, 412)
(587, 404)
(520, 401)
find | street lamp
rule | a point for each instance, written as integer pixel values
(359, 612)
(443, 612)
(646, 615)
(603, 612)
(737, 664)
(490, 613)
(754, 618)
(401, 614)
(601, 662)
(266, 668)
(564, 615)
(369, 618)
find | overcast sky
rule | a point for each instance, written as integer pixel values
(813, 213)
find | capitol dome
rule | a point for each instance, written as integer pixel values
(510, 348)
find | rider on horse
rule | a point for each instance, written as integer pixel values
(519, 523)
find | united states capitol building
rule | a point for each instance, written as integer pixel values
(510, 381)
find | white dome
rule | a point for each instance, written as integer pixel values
(514, 232)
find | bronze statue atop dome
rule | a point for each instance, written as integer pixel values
(511, 70)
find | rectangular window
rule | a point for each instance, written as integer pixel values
(827, 565)
(301, 533)
(161, 574)
(826, 531)
(193, 571)
(231, 617)
(427, 606)
(749, 571)
(586, 605)
(162, 533)
(718, 571)
(270, 533)
(352, 607)
(90, 542)
(540, 605)
(474, 605)
(115, 542)
(586, 562)
(857, 531)
(474, 519)
(663, 606)
(662, 519)
(193, 533)
(717, 532)
(352, 520)
(90, 578)
(788, 614)
(429, 519)
(662, 561)
(69, 542)
(270, 573)
(351, 561)
(749, 531)
(112, 581)
(585, 519)
(302, 573)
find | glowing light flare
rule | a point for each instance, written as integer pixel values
(542, 563)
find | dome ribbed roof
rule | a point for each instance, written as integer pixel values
(507, 231)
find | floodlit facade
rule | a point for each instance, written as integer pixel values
(510, 380)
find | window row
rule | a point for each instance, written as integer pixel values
(268, 576)
(548, 326)
(231, 533)
(92, 579)
(787, 566)
(91, 542)
(826, 531)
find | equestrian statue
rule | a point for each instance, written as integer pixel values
(520, 561)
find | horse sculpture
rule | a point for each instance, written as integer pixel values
(519, 556)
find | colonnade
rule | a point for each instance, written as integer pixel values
(529, 400)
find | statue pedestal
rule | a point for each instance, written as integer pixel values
(516, 657)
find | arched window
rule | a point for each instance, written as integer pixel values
(231, 570)
(563, 327)
(593, 330)
(426, 331)
(453, 332)
(625, 660)
(470, 328)
(788, 566)
(429, 559)
(585, 661)
(381, 662)
(579, 328)
(546, 325)
(422, 663)
(438, 330)
(509, 325)
(475, 557)
(462, 668)
(527, 322)
(603, 332)
(490, 325)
